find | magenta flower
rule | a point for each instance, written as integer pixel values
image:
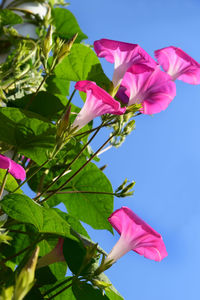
(149, 86)
(123, 55)
(56, 255)
(98, 102)
(178, 64)
(13, 168)
(136, 235)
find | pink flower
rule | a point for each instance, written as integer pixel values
(123, 55)
(136, 235)
(13, 168)
(56, 255)
(98, 102)
(149, 86)
(178, 64)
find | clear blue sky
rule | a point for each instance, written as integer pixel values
(162, 155)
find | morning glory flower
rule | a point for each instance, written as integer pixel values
(149, 86)
(13, 168)
(55, 255)
(123, 55)
(178, 64)
(136, 235)
(98, 102)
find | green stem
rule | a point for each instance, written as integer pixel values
(70, 99)
(3, 183)
(83, 192)
(57, 286)
(79, 170)
(69, 166)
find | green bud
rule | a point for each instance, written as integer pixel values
(25, 280)
(65, 50)
(64, 122)
(121, 186)
(47, 45)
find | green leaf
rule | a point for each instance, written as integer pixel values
(66, 24)
(8, 17)
(74, 253)
(82, 64)
(11, 183)
(24, 209)
(57, 86)
(75, 224)
(30, 133)
(85, 291)
(91, 208)
(44, 104)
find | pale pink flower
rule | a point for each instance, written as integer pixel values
(178, 64)
(136, 235)
(98, 102)
(56, 255)
(13, 168)
(151, 87)
(123, 55)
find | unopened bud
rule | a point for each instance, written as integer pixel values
(47, 46)
(65, 50)
(25, 280)
(64, 122)
(7, 293)
(128, 187)
(121, 186)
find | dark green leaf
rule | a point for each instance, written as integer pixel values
(24, 209)
(57, 86)
(91, 208)
(82, 64)
(44, 104)
(29, 132)
(85, 291)
(8, 17)
(66, 24)
(74, 253)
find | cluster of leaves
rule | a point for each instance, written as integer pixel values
(35, 84)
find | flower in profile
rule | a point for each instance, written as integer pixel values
(56, 255)
(13, 168)
(136, 235)
(98, 102)
(178, 64)
(123, 55)
(149, 86)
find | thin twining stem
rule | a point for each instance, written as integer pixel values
(69, 166)
(83, 192)
(79, 170)
(37, 170)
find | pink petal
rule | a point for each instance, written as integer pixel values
(98, 102)
(136, 235)
(14, 169)
(178, 64)
(151, 87)
(123, 55)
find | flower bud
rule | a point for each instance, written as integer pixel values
(25, 280)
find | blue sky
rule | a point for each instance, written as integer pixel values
(162, 155)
